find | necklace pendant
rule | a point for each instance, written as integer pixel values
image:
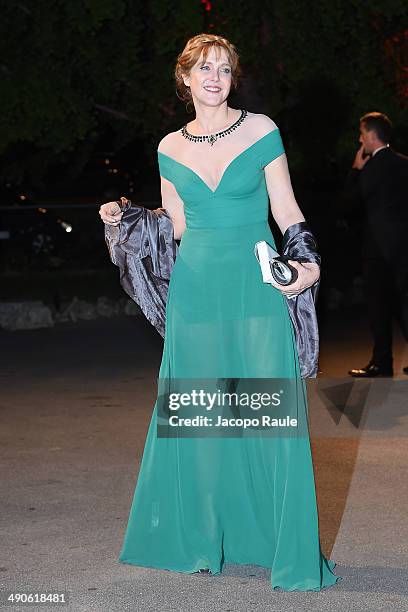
(212, 139)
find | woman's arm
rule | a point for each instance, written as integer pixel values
(285, 209)
(286, 212)
(111, 212)
(174, 205)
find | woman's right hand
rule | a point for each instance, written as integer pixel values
(111, 213)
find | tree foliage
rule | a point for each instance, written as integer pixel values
(81, 73)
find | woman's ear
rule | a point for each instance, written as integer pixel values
(186, 80)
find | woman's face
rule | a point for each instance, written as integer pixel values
(210, 81)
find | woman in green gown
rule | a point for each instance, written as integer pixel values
(204, 501)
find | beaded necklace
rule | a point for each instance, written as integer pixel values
(211, 138)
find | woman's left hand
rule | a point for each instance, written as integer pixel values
(308, 274)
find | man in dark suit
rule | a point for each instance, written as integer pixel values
(379, 178)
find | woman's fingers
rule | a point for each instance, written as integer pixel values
(307, 276)
(111, 213)
(308, 272)
(112, 219)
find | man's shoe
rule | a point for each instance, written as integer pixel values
(370, 371)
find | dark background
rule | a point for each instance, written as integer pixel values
(88, 92)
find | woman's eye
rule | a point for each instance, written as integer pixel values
(227, 70)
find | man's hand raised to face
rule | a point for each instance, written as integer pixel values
(359, 160)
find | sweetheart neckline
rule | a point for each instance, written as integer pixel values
(227, 167)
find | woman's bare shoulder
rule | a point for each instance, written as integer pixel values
(261, 124)
(169, 143)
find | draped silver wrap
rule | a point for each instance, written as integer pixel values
(143, 247)
(299, 244)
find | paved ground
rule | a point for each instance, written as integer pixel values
(76, 403)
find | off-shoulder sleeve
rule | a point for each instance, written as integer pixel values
(164, 166)
(271, 147)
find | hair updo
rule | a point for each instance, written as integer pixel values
(202, 43)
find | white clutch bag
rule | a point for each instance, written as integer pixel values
(273, 266)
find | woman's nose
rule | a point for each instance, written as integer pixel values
(215, 75)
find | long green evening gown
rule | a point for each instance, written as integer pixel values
(202, 502)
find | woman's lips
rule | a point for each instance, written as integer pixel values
(213, 89)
